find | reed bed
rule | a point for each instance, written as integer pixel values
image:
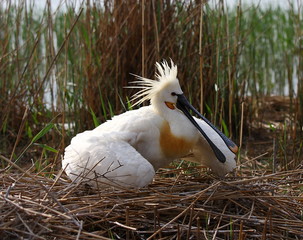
(177, 205)
(68, 67)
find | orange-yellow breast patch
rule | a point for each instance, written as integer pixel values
(173, 146)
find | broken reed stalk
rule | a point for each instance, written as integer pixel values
(241, 133)
(201, 61)
(143, 38)
(157, 41)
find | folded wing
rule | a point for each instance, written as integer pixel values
(99, 159)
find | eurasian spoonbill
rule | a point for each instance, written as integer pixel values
(128, 149)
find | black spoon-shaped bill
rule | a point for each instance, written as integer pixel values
(185, 106)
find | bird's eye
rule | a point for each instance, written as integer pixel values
(173, 94)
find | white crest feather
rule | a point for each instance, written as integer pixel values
(149, 88)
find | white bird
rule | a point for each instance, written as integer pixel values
(127, 150)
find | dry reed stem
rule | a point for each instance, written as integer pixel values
(188, 206)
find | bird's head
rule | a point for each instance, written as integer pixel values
(165, 95)
(161, 92)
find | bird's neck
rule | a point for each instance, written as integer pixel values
(178, 123)
(174, 146)
(180, 126)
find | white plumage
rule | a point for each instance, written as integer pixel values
(127, 150)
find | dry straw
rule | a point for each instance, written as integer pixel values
(179, 204)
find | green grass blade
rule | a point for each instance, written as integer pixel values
(40, 134)
(111, 112)
(95, 119)
(48, 148)
(225, 128)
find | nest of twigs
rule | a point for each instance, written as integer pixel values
(179, 204)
